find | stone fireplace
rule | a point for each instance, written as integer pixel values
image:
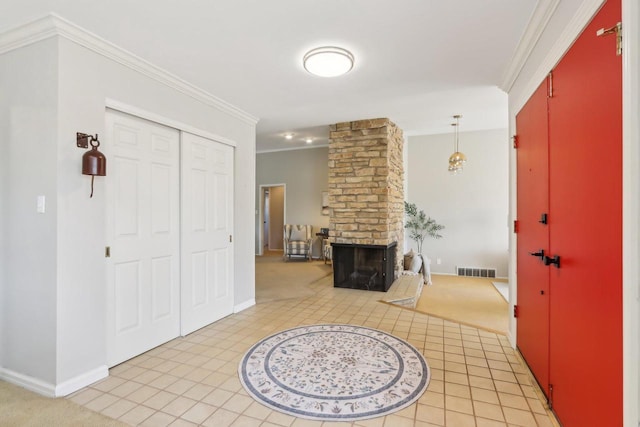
(366, 196)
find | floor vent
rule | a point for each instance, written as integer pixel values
(476, 272)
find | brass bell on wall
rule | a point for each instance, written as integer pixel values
(94, 163)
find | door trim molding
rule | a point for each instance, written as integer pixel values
(157, 118)
(630, 213)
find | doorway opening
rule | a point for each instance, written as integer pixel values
(271, 218)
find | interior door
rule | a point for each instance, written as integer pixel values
(266, 220)
(276, 217)
(143, 271)
(533, 234)
(586, 229)
(207, 226)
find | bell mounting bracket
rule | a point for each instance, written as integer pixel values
(83, 139)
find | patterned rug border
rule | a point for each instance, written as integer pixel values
(411, 396)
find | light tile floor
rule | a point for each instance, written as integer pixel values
(477, 378)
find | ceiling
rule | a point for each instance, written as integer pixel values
(417, 62)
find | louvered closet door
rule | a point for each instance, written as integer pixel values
(143, 272)
(586, 229)
(533, 235)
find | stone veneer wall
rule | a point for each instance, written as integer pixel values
(366, 194)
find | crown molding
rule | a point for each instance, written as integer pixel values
(53, 25)
(572, 30)
(539, 19)
(28, 33)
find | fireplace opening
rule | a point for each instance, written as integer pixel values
(368, 267)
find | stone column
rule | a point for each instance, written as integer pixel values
(366, 194)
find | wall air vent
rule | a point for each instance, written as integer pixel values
(476, 272)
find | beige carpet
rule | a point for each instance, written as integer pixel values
(467, 300)
(20, 407)
(277, 279)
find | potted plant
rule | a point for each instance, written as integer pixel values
(420, 225)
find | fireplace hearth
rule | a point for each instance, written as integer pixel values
(368, 267)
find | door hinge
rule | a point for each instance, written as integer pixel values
(550, 94)
(516, 226)
(515, 311)
(107, 251)
(515, 141)
(617, 30)
(230, 238)
(550, 399)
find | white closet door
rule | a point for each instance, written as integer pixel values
(143, 230)
(207, 225)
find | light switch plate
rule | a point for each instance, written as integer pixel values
(41, 204)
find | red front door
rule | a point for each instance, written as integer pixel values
(533, 234)
(585, 224)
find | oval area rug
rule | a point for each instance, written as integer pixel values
(334, 372)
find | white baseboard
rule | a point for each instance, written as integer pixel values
(511, 339)
(82, 380)
(50, 390)
(30, 383)
(243, 306)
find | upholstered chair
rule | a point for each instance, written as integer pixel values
(298, 240)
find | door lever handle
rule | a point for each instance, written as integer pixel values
(555, 260)
(540, 253)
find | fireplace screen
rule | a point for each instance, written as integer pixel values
(368, 267)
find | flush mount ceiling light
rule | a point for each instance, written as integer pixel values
(308, 140)
(288, 136)
(457, 159)
(328, 61)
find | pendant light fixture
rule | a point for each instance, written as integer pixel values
(457, 159)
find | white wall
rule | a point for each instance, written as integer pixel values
(54, 288)
(472, 205)
(306, 175)
(28, 149)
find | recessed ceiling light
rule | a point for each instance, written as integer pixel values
(309, 140)
(288, 136)
(328, 61)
